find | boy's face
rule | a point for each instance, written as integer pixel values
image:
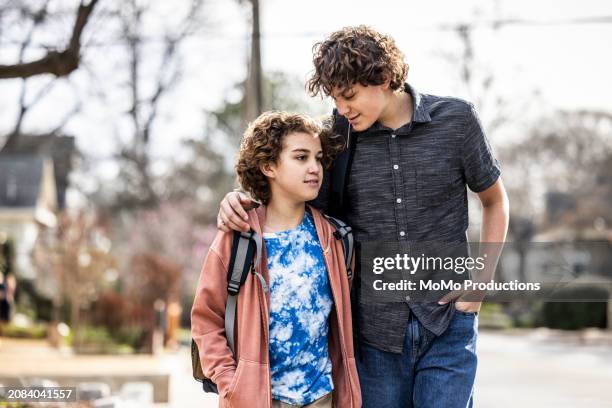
(361, 105)
(298, 173)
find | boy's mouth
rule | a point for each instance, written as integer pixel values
(312, 183)
(354, 118)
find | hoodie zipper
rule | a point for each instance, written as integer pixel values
(331, 239)
(265, 288)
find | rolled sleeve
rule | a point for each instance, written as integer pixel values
(481, 168)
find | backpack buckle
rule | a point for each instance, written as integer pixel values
(233, 287)
(342, 232)
(248, 234)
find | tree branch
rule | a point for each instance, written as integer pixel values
(58, 63)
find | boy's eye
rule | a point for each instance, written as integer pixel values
(349, 96)
(319, 158)
(302, 157)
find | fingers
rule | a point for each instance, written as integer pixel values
(469, 307)
(221, 224)
(231, 224)
(247, 203)
(232, 215)
(238, 203)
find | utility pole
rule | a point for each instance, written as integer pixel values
(254, 87)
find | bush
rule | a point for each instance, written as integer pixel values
(576, 315)
(38, 331)
(111, 311)
(124, 321)
(93, 340)
(98, 340)
(129, 336)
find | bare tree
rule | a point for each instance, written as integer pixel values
(58, 63)
(55, 62)
(153, 59)
(77, 253)
(139, 188)
(568, 152)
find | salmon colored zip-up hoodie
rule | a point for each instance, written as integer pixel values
(244, 382)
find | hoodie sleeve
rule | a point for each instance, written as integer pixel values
(208, 320)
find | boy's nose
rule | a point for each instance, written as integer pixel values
(343, 108)
(314, 168)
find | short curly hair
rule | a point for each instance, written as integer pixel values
(356, 55)
(262, 144)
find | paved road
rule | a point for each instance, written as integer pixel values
(537, 370)
(532, 368)
(528, 369)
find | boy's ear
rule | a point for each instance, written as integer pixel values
(387, 82)
(268, 170)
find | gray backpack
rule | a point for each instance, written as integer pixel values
(246, 248)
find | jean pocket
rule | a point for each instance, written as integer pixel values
(469, 314)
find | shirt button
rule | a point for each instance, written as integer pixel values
(395, 167)
(402, 233)
(407, 298)
(399, 200)
(393, 135)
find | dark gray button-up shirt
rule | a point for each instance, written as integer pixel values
(409, 184)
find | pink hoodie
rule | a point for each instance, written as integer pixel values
(245, 381)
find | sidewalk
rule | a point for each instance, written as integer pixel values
(521, 368)
(23, 361)
(544, 368)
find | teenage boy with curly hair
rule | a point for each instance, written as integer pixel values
(403, 177)
(293, 342)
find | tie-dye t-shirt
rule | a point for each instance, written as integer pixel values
(300, 305)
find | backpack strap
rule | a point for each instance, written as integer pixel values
(245, 247)
(345, 234)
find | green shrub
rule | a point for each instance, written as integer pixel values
(576, 315)
(98, 340)
(37, 331)
(130, 336)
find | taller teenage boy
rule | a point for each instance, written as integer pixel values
(404, 174)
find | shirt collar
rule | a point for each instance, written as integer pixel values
(420, 111)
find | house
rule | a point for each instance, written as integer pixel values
(33, 181)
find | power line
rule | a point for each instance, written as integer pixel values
(491, 24)
(495, 24)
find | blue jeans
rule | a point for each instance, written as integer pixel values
(432, 372)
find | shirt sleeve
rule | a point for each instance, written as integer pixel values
(480, 167)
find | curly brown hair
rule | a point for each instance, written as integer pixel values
(356, 55)
(262, 144)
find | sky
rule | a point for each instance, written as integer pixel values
(568, 65)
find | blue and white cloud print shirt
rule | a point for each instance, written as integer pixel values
(300, 305)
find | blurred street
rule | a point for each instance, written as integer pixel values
(527, 368)
(543, 368)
